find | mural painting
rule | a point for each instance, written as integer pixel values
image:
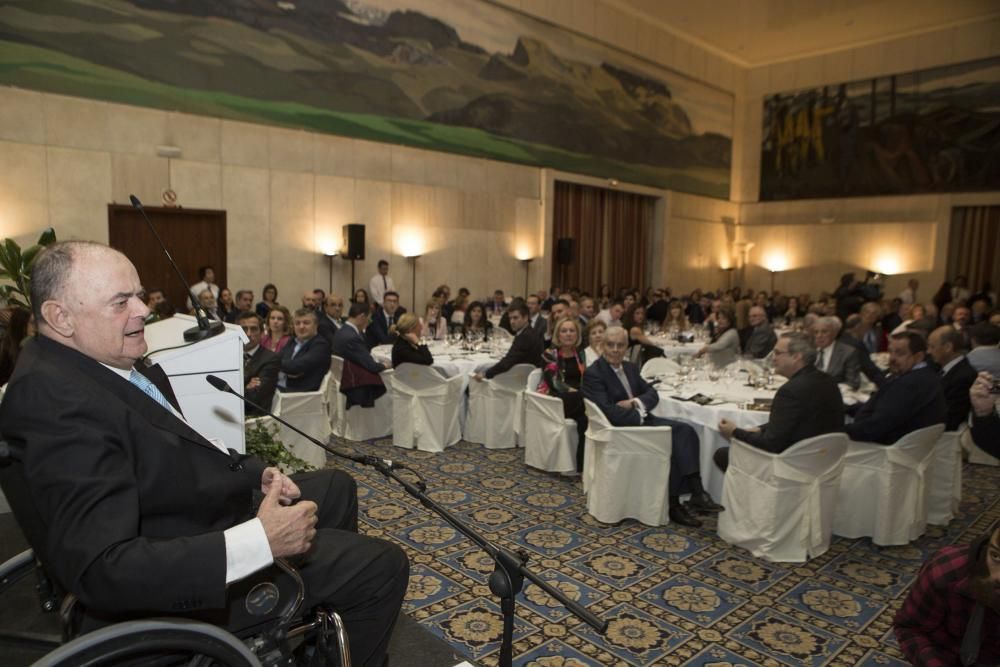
(462, 76)
(935, 130)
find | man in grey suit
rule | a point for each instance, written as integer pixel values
(835, 358)
(762, 338)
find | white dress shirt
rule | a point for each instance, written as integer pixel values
(378, 286)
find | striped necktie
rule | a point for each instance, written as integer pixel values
(148, 388)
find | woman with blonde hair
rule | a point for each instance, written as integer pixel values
(562, 375)
(595, 338)
(408, 349)
(433, 321)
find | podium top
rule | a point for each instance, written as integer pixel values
(168, 335)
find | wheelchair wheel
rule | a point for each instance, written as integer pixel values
(153, 642)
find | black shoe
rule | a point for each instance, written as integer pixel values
(703, 504)
(679, 514)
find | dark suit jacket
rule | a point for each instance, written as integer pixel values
(403, 352)
(265, 365)
(352, 346)
(658, 311)
(377, 332)
(328, 328)
(904, 404)
(809, 404)
(956, 386)
(602, 387)
(865, 363)
(527, 348)
(844, 366)
(540, 324)
(986, 433)
(309, 365)
(761, 341)
(133, 501)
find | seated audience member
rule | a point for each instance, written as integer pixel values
(225, 307)
(946, 347)
(595, 341)
(433, 323)
(911, 399)
(152, 519)
(279, 321)
(14, 338)
(309, 300)
(408, 349)
(206, 281)
(980, 308)
(809, 404)
(870, 330)
(535, 319)
(793, 311)
(852, 336)
(154, 297)
(505, 318)
(496, 306)
(657, 308)
(379, 330)
(762, 338)
(834, 357)
(641, 348)
(985, 354)
(724, 346)
(269, 299)
(961, 318)
(588, 311)
(244, 303)
(527, 347)
(951, 616)
(562, 375)
(209, 305)
(260, 366)
(456, 322)
(360, 382)
(612, 315)
(449, 306)
(332, 317)
(676, 320)
(985, 419)
(476, 324)
(615, 386)
(361, 296)
(305, 360)
(320, 296)
(558, 310)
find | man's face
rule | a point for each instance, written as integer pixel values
(206, 300)
(629, 300)
(103, 299)
(534, 305)
(614, 349)
(870, 313)
(305, 327)
(209, 276)
(153, 299)
(245, 301)
(587, 308)
(251, 328)
(334, 307)
(901, 359)
(938, 350)
(757, 316)
(390, 302)
(616, 310)
(517, 320)
(383, 269)
(361, 321)
(558, 311)
(823, 335)
(961, 315)
(309, 300)
(785, 364)
(498, 298)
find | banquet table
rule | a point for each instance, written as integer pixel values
(672, 349)
(448, 359)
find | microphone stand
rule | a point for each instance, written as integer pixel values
(510, 569)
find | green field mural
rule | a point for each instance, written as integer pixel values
(457, 76)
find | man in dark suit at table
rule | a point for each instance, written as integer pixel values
(947, 347)
(527, 347)
(379, 331)
(152, 518)
(809, 404)
(360, 383)
(835, 358)
(851, 335)
(332, 317)
(306, 359)
(911, 399)
(615, 386)
(260, 365)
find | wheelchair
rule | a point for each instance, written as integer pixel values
(262, 626)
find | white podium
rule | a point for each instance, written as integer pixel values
(212, 413)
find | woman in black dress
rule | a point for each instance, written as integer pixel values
(407, 349)
(476, 322)
(562, 375)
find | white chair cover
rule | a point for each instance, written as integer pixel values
(337, 401)
(977, 455)
(626, 474)
(658, 366)
(425, 408)
(494, 418)
(883, 490)
(374, 422)
(307, 411)
(549, 438)
(944, 479)
(780, 506)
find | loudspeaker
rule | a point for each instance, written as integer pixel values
(354, 242)
(564, 251)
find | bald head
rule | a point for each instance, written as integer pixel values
(945, 344)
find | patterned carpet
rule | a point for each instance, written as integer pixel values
(673, 595)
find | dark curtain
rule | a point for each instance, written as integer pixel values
(974, 245)
(610, 232)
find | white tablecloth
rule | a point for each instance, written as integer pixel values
(671, 348)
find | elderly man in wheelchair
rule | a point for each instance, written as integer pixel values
(137, 516)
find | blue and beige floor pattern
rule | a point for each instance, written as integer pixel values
(672, 595)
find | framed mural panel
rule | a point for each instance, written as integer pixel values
(934, 130)
(461, 76)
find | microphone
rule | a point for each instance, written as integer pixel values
(373, 461)
(206, 328)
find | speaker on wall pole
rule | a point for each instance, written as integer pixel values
(564, 251)
(354, 242)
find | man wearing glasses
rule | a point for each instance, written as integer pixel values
(260, 365)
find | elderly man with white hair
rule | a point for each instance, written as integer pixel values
(762, 337)
(616, 387)
(834, 357)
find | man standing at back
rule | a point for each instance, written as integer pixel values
(381, 283)
(147, 517)
(808, 405)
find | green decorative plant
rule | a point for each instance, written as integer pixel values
(262, 441)
(15, 266)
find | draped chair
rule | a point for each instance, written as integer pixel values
(549, 438)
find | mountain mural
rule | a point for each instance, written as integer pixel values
(392, 74)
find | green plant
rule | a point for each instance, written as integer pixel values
(15, 266)
(262, 441)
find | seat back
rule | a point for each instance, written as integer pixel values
(813, 457)
(337, 366)
(534, 378)
(425, 408)
(307, 410)
(944, 479)
(598, 421)
(658, 366)
(515, 379)
(417, 379)
(549, 438)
